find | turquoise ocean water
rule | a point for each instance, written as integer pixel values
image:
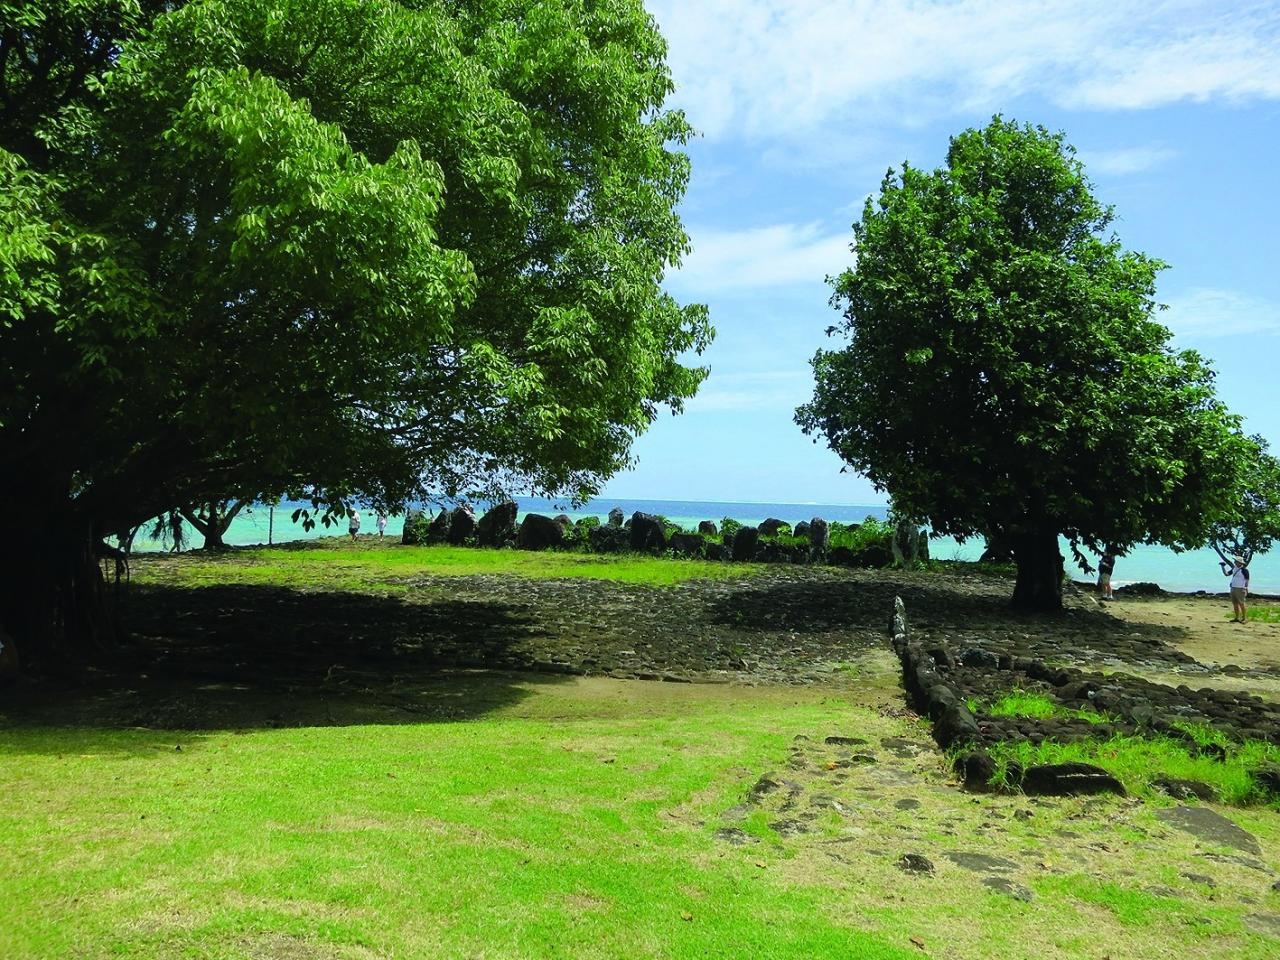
(1189, 571)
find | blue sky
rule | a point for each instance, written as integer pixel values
(1174, 108)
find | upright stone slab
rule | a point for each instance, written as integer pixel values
(707, 528)
(647, 534)
(462, 523)
(498, 526)
(745, 542)
(616, 517)
(687, 544)
(608, 539)
(772, 527)
(411, 534)
(438, 529)
(538, 532)
(819, 535)
(802, 529)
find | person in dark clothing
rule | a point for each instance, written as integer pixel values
(1106, 566)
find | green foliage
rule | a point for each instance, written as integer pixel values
(1261, 614)
(332, 247)
(416, 526)
(1255, 523)
(1004, 371)
(1021, 703)
(728, 527)
(858, 537)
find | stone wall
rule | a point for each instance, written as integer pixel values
(941, 681)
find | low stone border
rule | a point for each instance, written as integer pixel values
(940, 682)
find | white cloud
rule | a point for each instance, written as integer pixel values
(759, 390)
(772, 256)
(1126, 160)
(1205, 313)
(779, 68)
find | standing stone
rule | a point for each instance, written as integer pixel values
(438, 529)
(538, 532)
(686, 544)
(608, 539)
(498, 526)
(615, 517)
(745, 542)
(707, 528)
(818, 535)
(909, 544)
(772, 527)
(462, 523)
(647, 533)
(411, 533)
(802, 529)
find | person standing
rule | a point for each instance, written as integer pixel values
(353, 522)
(382, 524)
(1106, 566)
(1239, 575)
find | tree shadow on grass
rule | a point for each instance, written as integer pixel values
(962, 611)
(249, 657)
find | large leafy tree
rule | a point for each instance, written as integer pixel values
(1004, 375)
(1255, 523)
(328, 247)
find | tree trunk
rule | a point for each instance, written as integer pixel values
(212, 524)
(54, 600)
(1039, 585)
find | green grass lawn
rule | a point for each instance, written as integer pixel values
(369, 564)
(575, 820)
(567, 830)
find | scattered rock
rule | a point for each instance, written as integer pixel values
(1268, 924)
(915, 863)
(980, 862)
(1185, 789)
(1069, 779)
(980, 659)
(908, 803)
(1008, 888)
(788, 828)
(1207, 825)
(1267, 777)
(1201, 879)
(763, 787)
(844, 741)
(977, 769)
(735, 836)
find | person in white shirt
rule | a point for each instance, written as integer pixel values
(353, 523)
(382, 525)
(1239, 575)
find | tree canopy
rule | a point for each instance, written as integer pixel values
(1005, 374)
(328, 247)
